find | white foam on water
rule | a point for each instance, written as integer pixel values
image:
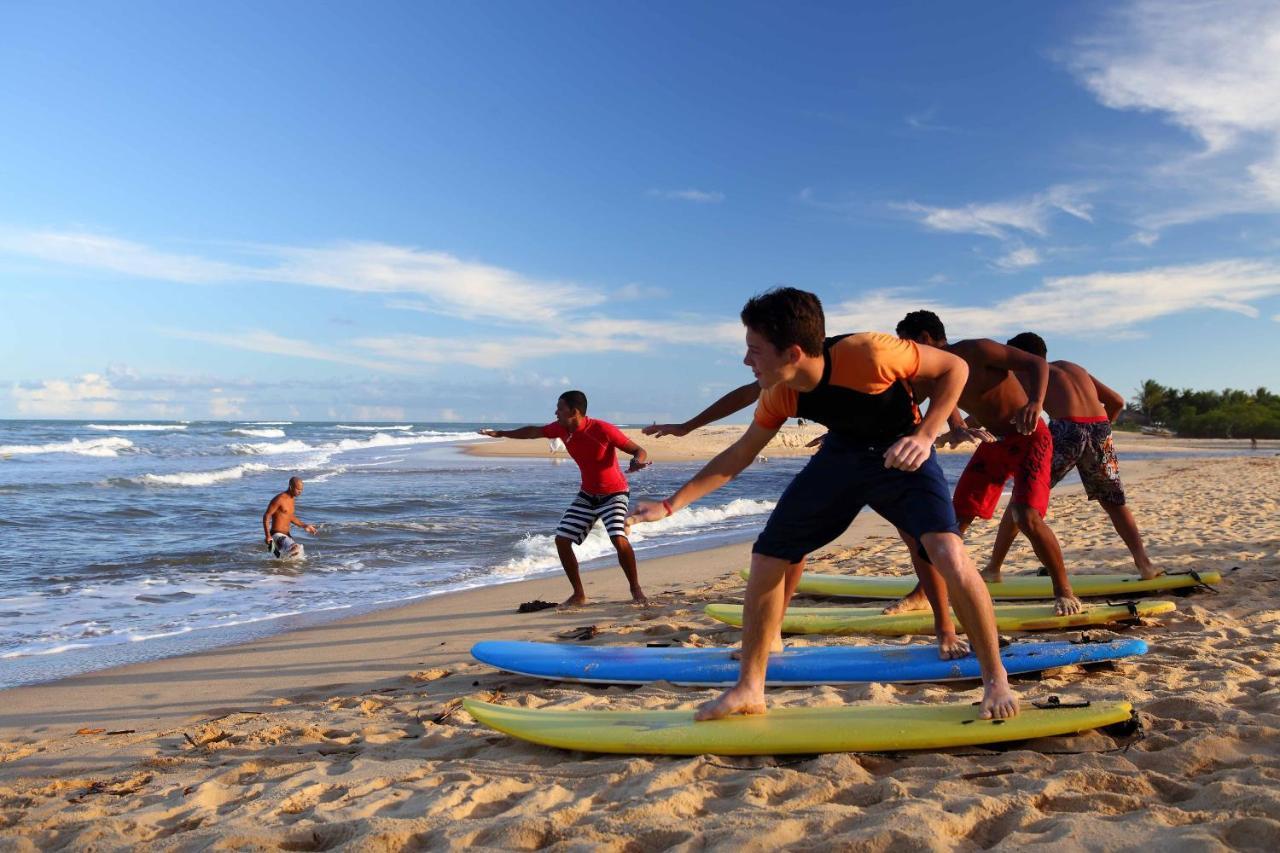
(260, 433)
(381, 439)
(538, 551)
(92, 447)
(375, 428)
(268, 448)
(266, 423)
(136, 427)
(202, 478)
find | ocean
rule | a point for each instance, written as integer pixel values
(122, 542)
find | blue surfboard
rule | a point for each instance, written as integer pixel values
(794, 667)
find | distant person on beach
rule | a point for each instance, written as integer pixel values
(878, 453)
(280, 517)
(604, 496)
(1081, 410)
(1013, 443)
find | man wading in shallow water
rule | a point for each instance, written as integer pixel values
(879, 453)
(593, 444)
(280, 517)
(1022, 449)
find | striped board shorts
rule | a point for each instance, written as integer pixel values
(581, 515)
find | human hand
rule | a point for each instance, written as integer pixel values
(1027, 418)
(637, 465)
(310, 528)
(644, 511)
(660, 430)
(960, 435)
(908, 453)
(492, 433)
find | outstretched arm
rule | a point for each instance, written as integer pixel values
(1112, 400)
(522, 432)
(735, 401)
(297, 522)
(1036, 382)
(728, 464)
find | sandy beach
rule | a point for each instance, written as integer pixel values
(349, 735)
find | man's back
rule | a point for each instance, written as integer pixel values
(1072, 393)
(993, 393)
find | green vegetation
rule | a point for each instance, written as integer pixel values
(1209, 414)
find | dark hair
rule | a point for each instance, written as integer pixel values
(916, 322)
(295, 481)
(1028, 342)
(786, 316)
(575, 400)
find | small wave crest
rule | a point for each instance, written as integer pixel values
(260, 433)
(135, 427)
(92, 447)
(202, 478)
(266, 423)
(403, 428)
(381, 439)
(268, 448)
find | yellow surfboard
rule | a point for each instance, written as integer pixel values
(841, 728)
(1009, 617)
(1013, 587)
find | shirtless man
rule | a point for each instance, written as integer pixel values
(1022, 449)
(879, 453)
(950, 645)
(280, 517)
(604, 496)
(1081, 410)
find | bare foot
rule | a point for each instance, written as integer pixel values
(991, 575)
(572, 601)
(1067, 605)
(638, 597)
(1150, 573)
(735, 700)
(998, 701)
(908, 604)
(951, 647)
(775, 648)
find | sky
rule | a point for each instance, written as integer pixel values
(438, 211)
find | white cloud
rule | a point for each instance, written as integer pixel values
(636, 291)
(1019, 259)
(1098, 303)
(442, 283)
(924, 120)
(258, 340)
(225, 407)
(1212, 69)
(90, 395)
(1000, 219)
(694, 195)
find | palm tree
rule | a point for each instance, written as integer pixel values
(1150, 395)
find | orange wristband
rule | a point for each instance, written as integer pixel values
(667, 506)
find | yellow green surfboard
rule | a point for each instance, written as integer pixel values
(1013, 587)
(1009, 617)
(842, 728)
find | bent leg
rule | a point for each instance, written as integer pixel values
(627, 560)
(1007, 532)
(1122, 520)
(1049, 552)
(569, 560)
(972, 602)
(918, 598)
(761, 621)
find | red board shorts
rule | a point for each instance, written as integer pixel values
(1028, 459)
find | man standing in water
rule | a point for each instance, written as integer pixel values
(1081, 410)
(604, 496)
(280, 517)
(879, 453)
(1022, 449)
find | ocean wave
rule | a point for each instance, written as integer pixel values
(382, 439)
(93, 447)
(267, 448)
(260, 433)
(538, 551)
(202, 478)
(375, 428)
(135, 427)
(267, 423)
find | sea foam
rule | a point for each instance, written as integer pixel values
(92, 447)
(136, 427)
(260, 433)
(375, 428)
(203, 478)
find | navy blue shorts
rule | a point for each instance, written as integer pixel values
(838, 482)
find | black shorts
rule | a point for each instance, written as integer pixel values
(838, 482)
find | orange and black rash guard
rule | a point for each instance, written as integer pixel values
(864, 395)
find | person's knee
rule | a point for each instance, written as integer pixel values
(620, 542)
(946, 552)
(1025, 517)
(563, 542)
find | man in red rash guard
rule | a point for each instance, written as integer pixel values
(604, 496)
(1080, 410)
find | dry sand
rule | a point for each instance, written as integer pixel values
(348, 735)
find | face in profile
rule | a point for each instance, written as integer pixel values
(769, 365)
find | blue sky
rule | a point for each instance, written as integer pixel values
(445, 211)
